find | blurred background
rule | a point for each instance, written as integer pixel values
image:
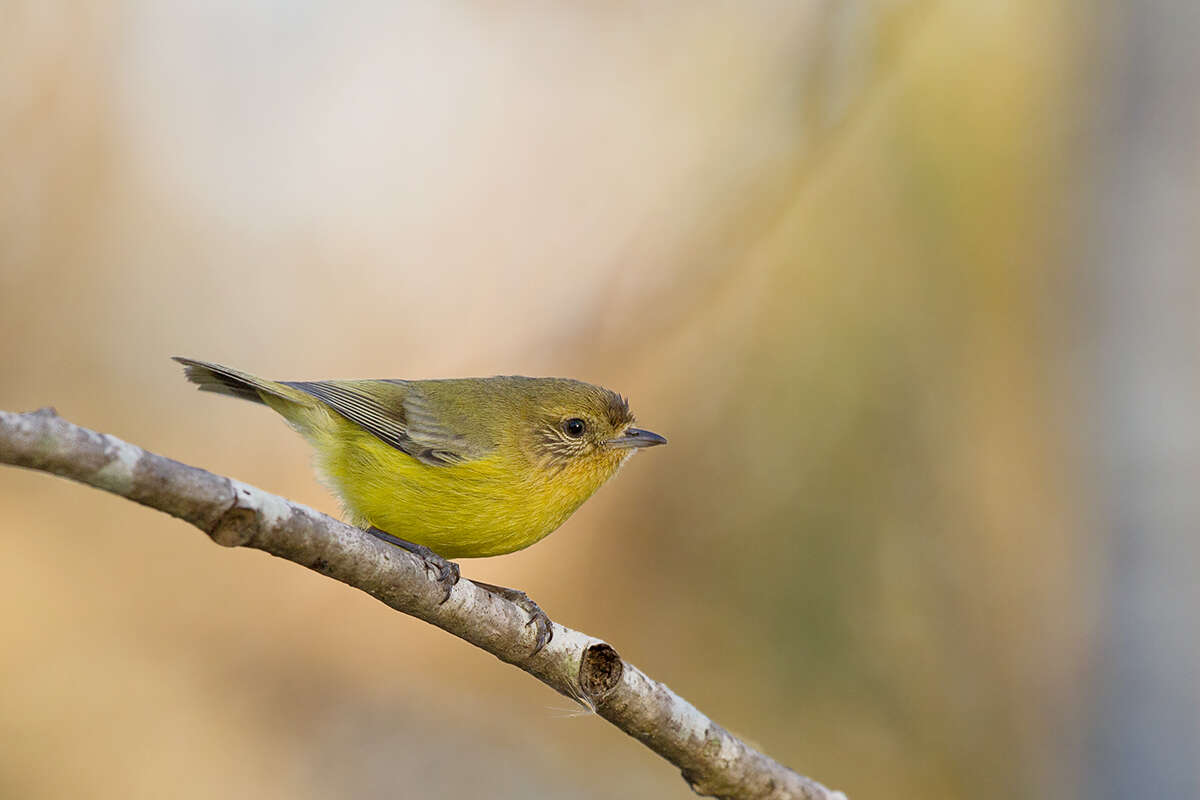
(911, 287)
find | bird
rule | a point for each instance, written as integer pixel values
(452, 468)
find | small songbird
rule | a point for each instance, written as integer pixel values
(458, 468)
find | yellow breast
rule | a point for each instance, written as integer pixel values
(486, 507)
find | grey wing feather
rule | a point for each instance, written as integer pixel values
(412, 428)
(427, 430)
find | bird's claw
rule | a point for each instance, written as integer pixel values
(446, 571)
(448, 574)
(537, 617)
(545, 630)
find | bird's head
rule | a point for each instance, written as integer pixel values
(583, 430)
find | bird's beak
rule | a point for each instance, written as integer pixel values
(636, 437)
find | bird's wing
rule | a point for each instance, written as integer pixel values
(397, 413)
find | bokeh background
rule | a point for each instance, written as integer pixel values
(911, 287)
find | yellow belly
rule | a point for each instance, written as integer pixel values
(485, 507)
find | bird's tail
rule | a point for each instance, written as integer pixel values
(235, 383)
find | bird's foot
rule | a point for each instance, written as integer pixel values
(446, 571)
(537, 617)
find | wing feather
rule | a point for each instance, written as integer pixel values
(396, 413)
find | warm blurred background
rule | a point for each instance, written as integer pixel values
(908, 285)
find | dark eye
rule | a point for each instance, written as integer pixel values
(574, 427)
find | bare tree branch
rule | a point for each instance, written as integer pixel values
(713, 761)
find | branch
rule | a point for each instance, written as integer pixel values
(233, 514)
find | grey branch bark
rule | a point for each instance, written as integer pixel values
(713, 761)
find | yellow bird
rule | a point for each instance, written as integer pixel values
(458, 468)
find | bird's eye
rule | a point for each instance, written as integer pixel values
(574, 427)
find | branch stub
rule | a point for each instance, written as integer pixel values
(600, 671)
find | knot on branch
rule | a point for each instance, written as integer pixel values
(236, 526)
(600, 671)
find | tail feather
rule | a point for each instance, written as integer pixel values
(224, 380)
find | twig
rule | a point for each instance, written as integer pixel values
(713, 761)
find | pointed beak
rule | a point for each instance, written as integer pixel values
(636, 437)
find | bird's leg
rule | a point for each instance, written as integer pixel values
(448, 574)
(446, 571)
(537, 617)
